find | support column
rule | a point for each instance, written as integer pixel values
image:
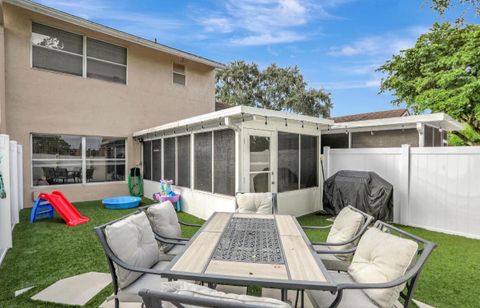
(421, 134)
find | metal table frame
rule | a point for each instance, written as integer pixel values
(283, 284)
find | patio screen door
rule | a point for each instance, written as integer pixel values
(260, 173)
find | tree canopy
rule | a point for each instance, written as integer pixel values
(441, 6)
(441, 74)
(276, 88)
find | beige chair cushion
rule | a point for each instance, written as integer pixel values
(146, 281)
(382, 257)
(350, 298)
(190, 289)
(132, 241)
(345, 226)
(164, 221)
(255, 203)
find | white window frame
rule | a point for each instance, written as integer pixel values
(83, 160)
(184, 73)
(83, 55)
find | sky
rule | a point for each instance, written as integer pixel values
(337, 44)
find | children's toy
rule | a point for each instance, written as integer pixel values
(126, 202)
(45, 205)
(167, 194)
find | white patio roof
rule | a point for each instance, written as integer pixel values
(236, 113)
(438, 120)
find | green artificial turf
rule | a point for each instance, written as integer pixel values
(47, 251)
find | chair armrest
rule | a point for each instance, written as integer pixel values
(189, 225)
(334, 244)
(316, 227)
(168, 240)
(337, 252)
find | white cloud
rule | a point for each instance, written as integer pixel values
(268, 39)
(387, 44)
(216, 24)
(264, 22)
(352, 84)
(146, 25)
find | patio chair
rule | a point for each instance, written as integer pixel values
(167, 228)
(256, 203)
(347, 228)
(184, 294)
(385, 267)
(133, 256)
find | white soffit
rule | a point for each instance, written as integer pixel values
(237, 113)
(439, 120)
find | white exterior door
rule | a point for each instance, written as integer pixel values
(260, 161)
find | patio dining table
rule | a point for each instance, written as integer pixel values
(252, 249)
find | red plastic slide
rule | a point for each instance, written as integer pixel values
(64, 208)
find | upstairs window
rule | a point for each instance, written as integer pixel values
(61, 51)
(57, 50)
(179, 76)
(106, 61)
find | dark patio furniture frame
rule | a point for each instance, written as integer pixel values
(410, 277)
(274, 201)
(153, 299)
(113, 259)
(367, 221)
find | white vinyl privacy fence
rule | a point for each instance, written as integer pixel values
(434, 188)
(11, 170)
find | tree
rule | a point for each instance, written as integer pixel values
(276, 88)
(441, 74)
(441, 6)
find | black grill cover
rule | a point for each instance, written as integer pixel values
(366, 191)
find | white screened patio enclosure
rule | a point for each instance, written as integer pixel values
(241, 149)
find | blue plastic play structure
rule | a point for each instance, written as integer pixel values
(41, 209)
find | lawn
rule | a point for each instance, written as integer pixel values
(47, 251)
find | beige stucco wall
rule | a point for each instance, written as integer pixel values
(48, 102)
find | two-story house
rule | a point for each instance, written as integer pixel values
(72, 92)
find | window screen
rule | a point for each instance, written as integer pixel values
(224, 162)
(157, 160)
(57, 50)
(147, 160)
(106, 61)
(308, 161)
(203, 161)
(288, 161)
(183, 144)
(169, 159)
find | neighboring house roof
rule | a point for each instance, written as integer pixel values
(237, 113)
(51, 12)
(372, 115)
(221, 106)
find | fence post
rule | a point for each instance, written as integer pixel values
(401, 213)
(326, 162)
(14, 183)
(5, 215)
(20, 176)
